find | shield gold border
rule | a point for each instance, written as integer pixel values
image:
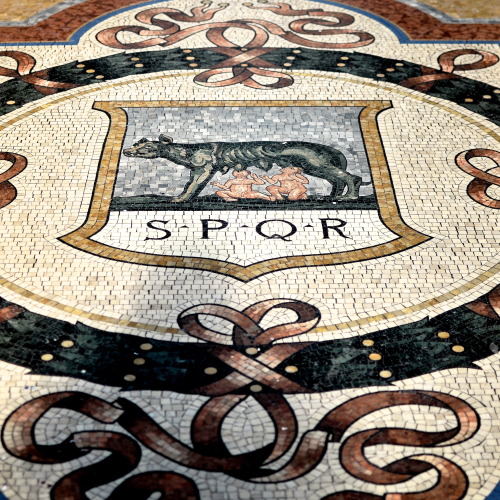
(98, 213)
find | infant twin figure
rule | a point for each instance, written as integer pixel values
(289, 183)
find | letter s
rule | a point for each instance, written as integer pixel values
(166, 231)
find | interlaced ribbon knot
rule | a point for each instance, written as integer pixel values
(483, 179)
(448, 67)
(24, 72)
(247, 332)
(209, 452)
(8, 191)
(243, 63)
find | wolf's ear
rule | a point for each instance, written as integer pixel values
(141, 141)
(165, 139)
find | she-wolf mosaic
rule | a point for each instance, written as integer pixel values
(249, 250)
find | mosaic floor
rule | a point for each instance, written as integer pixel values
(250, 250)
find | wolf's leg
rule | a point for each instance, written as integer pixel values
(198, 179)
(350, 180)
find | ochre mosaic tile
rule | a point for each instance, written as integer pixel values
(249, 250)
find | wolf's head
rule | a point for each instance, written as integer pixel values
(145, 148)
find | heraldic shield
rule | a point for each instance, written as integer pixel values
(201, 184)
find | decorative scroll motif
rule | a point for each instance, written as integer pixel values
(248, 333)
(8, 191)
(448, 67)
(243, 63)
(209, 452)
(63, 25)
(24, 72)
(483, 180)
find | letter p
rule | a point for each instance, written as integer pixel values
(206, 228)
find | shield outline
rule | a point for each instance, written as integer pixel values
(98, 213)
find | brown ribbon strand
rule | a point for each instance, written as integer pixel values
(8, 192)
(250, 368)
(198, 14)
(452, 480)
(24, 72)
(489, 308)
(10, 312)
(244, 64)
(125, 455)
(172, 486)
(210, 453)
(483, 180)
(285, 9)
(447, 64)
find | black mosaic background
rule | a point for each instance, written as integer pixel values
(368, 66)
(105, 358)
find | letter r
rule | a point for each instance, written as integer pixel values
(336, 228)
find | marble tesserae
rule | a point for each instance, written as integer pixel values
(249, 250)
